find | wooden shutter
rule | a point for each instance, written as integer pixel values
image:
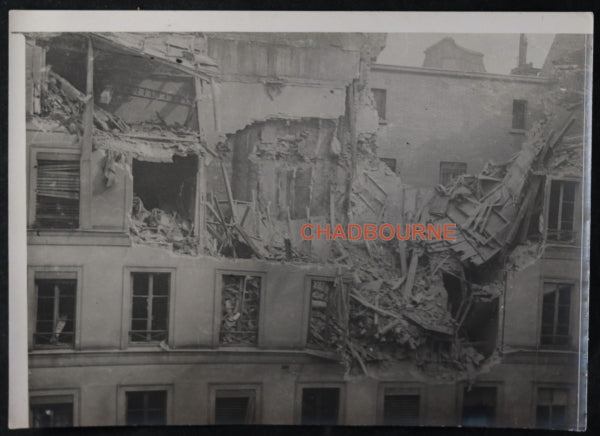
(57, 189)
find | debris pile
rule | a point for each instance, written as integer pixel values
(161, 229)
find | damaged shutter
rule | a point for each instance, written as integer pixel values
(57, 194)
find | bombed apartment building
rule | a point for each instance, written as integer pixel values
(170, 176)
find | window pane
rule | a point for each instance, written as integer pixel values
(320, 406)
(139, 307)
(558, 416)
(45, 309)
(52, 415)
(146, 408)
(160, 313)
(161, 283)
(479, 406)
(157, 399)
(135, 417)
(140, 283)
(542, 419)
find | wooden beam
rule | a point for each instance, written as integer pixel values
(229, 194)
(85, 194)
(410, 277)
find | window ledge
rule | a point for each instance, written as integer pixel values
(518, 131)
(77, 237)
(383, 122)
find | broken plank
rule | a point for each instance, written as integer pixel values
(229, 194)
(249, 241)
(410, 278)
(372, 307)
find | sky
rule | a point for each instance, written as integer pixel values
(500, 50)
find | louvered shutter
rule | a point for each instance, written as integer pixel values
(57, 194)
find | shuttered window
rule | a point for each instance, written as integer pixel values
(57, 194)
(401, 409)
(234, 407)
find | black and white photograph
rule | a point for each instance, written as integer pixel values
(304, 228)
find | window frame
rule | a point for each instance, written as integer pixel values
(407, 388)
(460, 389)
(217, 316)
(570, 413)
(306, 313)
(575, 240)
(122, 400)
(65, 153)
(214, 388)
(51, 394)
(127, 306)
(41, 272)
(383, 91)
(455, 164)
(522, 121)
(300, 386)
(573, 314)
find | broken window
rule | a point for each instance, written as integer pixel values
(449, 171)
(55, 312)
(556, 309)
(561, 213)
(146, 407)
(380, 102)
(233, 407)
(321, 330)
(150, 307)
(320, 406)
(57, 194)
(390, 162)
(551, 410)
(164, 201)
(518, 115)
(240, 305)
(400, 409)
(51, 411)
(479, 406)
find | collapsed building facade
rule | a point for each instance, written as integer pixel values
(168, 281)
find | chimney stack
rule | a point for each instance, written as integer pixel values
(522, 50)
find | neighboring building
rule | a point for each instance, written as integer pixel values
(448, 55)
(168, 178)
(425, 114)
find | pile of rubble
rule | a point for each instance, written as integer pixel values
(240, 310)
(162, 229)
